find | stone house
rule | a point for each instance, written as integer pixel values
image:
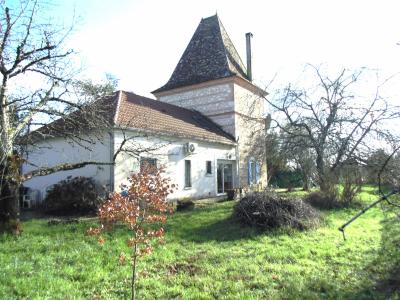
(202, 126)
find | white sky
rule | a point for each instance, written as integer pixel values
(140, 42)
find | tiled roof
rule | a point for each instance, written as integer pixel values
(128, 110)
(210, 55)
(94, 116)
(158, 117)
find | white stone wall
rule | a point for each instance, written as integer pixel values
(215, 101)
(250, 128)
(171, 154)
(57, 151)
(248, 103)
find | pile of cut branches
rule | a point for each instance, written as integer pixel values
(268, 210)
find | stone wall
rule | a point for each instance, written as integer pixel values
(214, 101)
(250, 129)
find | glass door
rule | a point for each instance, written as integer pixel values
(224, 177)
(228, 177)
(220, 179)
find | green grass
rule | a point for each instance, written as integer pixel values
(208, 256)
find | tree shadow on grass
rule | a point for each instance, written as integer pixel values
(384, 269)
(382, 273)
(386, 266)
(222, 231)
(226, 230)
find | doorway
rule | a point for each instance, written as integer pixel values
(224, 177)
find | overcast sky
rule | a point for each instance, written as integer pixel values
(140, 42)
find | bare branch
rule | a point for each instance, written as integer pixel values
(61, 167)
(373, 204)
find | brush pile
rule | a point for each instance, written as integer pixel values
(268, 210)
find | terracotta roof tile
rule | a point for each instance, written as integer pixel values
(129, 110)
(146, 114)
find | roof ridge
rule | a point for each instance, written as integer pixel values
(116, 114)
(235, 52)
(220, 28)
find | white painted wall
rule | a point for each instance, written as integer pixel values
(56, 151)
(173, 157)
(170, 154)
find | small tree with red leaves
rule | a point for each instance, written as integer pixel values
(143, 208)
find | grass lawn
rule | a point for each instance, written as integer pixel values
(208, 256)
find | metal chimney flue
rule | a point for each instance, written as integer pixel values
(249, 35)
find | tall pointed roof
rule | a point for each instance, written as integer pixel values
(210, 55)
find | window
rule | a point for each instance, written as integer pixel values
(188, 180)
(147, 162)
(208, 167)
(254, 172)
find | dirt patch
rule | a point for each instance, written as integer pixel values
(183, 267)
(200, 255)
(62, 221)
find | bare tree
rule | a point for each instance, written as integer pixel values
(390, 175)
(298, 151)
(335, 124)
(275, 156)
(284, 152)
(390, 198)
(38, 89)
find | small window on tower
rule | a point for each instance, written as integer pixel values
(208, 167)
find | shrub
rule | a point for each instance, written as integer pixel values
(351, 182)
(320, 200)
(287, 179)
(268, 210)
(75, 195)
(330, 201)
(232, 194)
(184, 205)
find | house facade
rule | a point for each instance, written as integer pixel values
(202, 127)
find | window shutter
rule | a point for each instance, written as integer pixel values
(258, 172)
(250, 172)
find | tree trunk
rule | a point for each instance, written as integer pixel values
(13, 207)
(10, 199)
(306, 182)
(321, 173)
(326, 179)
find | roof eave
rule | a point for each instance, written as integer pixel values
(233, 78)
(182, 136)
